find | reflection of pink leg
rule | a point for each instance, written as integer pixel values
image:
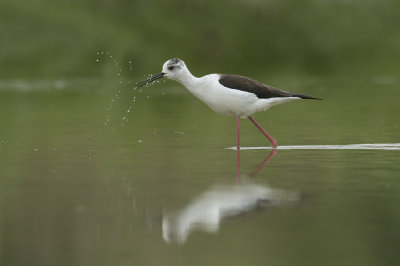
(237, 165)
(263, 163)
(269, 137)
(238, 132)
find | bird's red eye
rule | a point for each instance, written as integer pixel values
(171, 68)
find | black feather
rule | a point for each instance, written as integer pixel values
(261, 90)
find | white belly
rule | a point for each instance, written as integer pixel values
(232, 102)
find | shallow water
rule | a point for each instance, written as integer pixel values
(162, 188)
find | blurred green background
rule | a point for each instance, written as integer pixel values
(55, 38)
(74, 191)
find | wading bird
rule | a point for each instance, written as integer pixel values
(228, 94)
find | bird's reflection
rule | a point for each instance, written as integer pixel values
(208, 210)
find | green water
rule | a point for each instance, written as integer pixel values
(77, 192)
(85, 182)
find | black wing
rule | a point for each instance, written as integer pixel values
(261, 90)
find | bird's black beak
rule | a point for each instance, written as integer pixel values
(149, 80)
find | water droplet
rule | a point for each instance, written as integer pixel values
(140, 141)
(97, 60)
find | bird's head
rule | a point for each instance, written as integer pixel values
(172, 69)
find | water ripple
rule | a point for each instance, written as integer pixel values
(371, 146)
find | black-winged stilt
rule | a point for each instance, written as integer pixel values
(228, 94)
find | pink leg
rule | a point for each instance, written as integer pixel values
(269, 137)
(238, 149)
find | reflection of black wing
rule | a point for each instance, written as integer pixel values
(250, 85)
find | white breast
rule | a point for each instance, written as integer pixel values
(229, 101)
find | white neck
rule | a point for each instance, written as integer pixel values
(186, 78)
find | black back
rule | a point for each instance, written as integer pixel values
(262, 91)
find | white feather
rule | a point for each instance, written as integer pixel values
(221, 99)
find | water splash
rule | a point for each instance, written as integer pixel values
(136, 92)
(104, 56)
(124, 85)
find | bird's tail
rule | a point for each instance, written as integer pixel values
(302, 96)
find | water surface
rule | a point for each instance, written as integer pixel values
(162, 189)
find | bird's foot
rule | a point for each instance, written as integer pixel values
(274, 144)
